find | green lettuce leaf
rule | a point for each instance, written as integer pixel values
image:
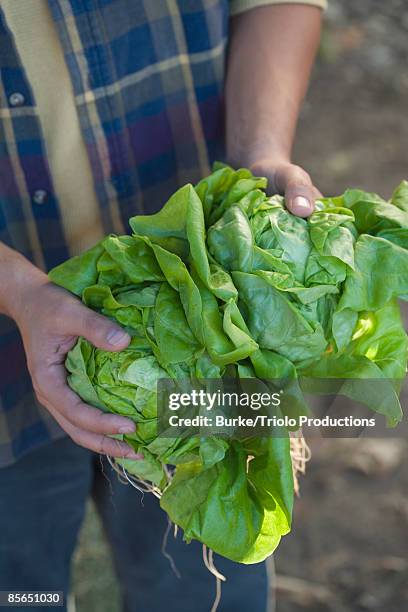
(223, 281)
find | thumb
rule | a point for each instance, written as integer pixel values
(298, 189)
(99, 330)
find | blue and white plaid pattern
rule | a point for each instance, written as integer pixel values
(147, 78)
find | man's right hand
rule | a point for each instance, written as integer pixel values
(50, 320)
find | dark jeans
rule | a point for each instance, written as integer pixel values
(42, 504)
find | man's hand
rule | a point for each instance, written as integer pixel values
(291, 181)
(50, 319)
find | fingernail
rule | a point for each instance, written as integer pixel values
(127, 429)
(116, 337)
(302, 204)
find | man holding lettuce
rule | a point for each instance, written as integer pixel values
(107, 107)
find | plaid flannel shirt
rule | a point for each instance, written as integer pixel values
(147, 78)
(148, 81)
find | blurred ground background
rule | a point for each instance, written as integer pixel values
(348, 548)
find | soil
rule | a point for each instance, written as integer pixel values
(348, 545)
(348, 548)
(354, 127)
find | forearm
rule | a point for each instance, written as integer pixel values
(271, 54)
(16, 272)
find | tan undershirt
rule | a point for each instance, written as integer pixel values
(41, 54)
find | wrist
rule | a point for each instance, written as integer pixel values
(261, 166)
(18, 276)
(257, 157)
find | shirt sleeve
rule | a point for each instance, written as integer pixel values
(240, 6)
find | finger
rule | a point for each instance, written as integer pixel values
(99, 330)
(298, 189)
(53, 387)
(96, 442)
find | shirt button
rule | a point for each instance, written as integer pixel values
(16, 99)
(40, 196)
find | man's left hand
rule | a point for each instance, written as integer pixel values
(290, 181)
